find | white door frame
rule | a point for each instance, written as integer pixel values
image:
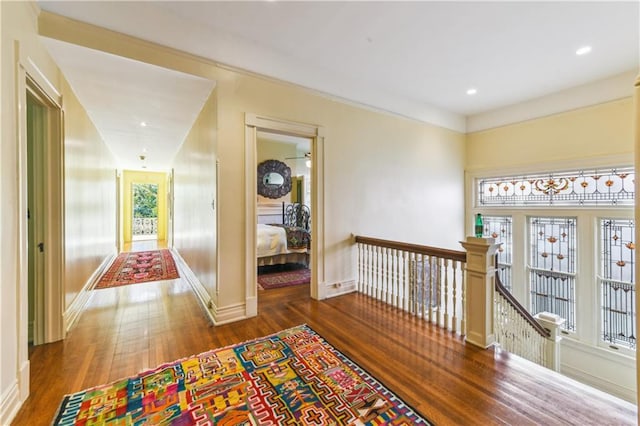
(29, 77)
(253, 124)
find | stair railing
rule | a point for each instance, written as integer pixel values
(427, 282)
(430, 283)
(516, 330)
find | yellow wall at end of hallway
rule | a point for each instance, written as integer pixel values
(130, 177)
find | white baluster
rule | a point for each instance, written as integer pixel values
(369, 270)
(454, 318)
(385, 278)
(360, 267)
(439, 289)
(445, 263)
(405, 282)
(396, 287)
(375, 271)
(463, 301)
(432, 292)
(381, 272)
(413, 282)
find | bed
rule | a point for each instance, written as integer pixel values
(286, 242)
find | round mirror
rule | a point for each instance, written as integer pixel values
(274, 179)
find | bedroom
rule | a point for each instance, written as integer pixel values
(283, 210)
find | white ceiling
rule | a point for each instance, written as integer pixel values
(120, 94)
(416, 59)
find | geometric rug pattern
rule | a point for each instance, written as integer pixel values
(293, 377)
(139, 267)
(284, 279)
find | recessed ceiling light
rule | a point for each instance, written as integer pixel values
(583, 50)
(143, 124)
(472, 91)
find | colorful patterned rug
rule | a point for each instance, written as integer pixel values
(290, 377)
(284, 279)
(139, 267)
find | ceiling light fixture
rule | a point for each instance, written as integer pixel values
(583, 50)
(472, 91)
(143, 124)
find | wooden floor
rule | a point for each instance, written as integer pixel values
(128, 329)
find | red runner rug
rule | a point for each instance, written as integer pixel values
(284, 279)
(139, 267)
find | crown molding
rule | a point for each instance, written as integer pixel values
(606, 90)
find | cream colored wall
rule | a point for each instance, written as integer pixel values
(583, 134)
(386, 176)
(195, 235)
(130, 177)
(90, 197)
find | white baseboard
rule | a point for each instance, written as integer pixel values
(72, 313)
(217, 315)
(231, 313)
(599, 383)
(10, 403)
(201, 292)
(24, 376)
(251, 307)
(339, 288)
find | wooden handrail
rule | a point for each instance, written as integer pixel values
(500, 288)
(414, 248)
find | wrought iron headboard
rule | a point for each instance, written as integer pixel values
(296, 214)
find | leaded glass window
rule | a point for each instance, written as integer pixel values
(617, 282)
(499, 228)
(553, 267)
(599, 187)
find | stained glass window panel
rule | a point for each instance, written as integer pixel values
(617, 282)
(552, 267)
(606, 187)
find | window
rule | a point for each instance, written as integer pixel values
(499, 227)
(545, 220)
(606, 187)
(617, 282)
(553, 267)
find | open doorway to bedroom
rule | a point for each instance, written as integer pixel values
(255, 124)
(283, 210)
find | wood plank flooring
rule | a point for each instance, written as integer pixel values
(127, 329)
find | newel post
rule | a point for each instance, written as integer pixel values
(481, 273)
(553, 323)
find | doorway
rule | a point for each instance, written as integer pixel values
(41, 213)
(144, 207)
(145, 211)
(315, 135)
(283, 210)
(36, 139)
